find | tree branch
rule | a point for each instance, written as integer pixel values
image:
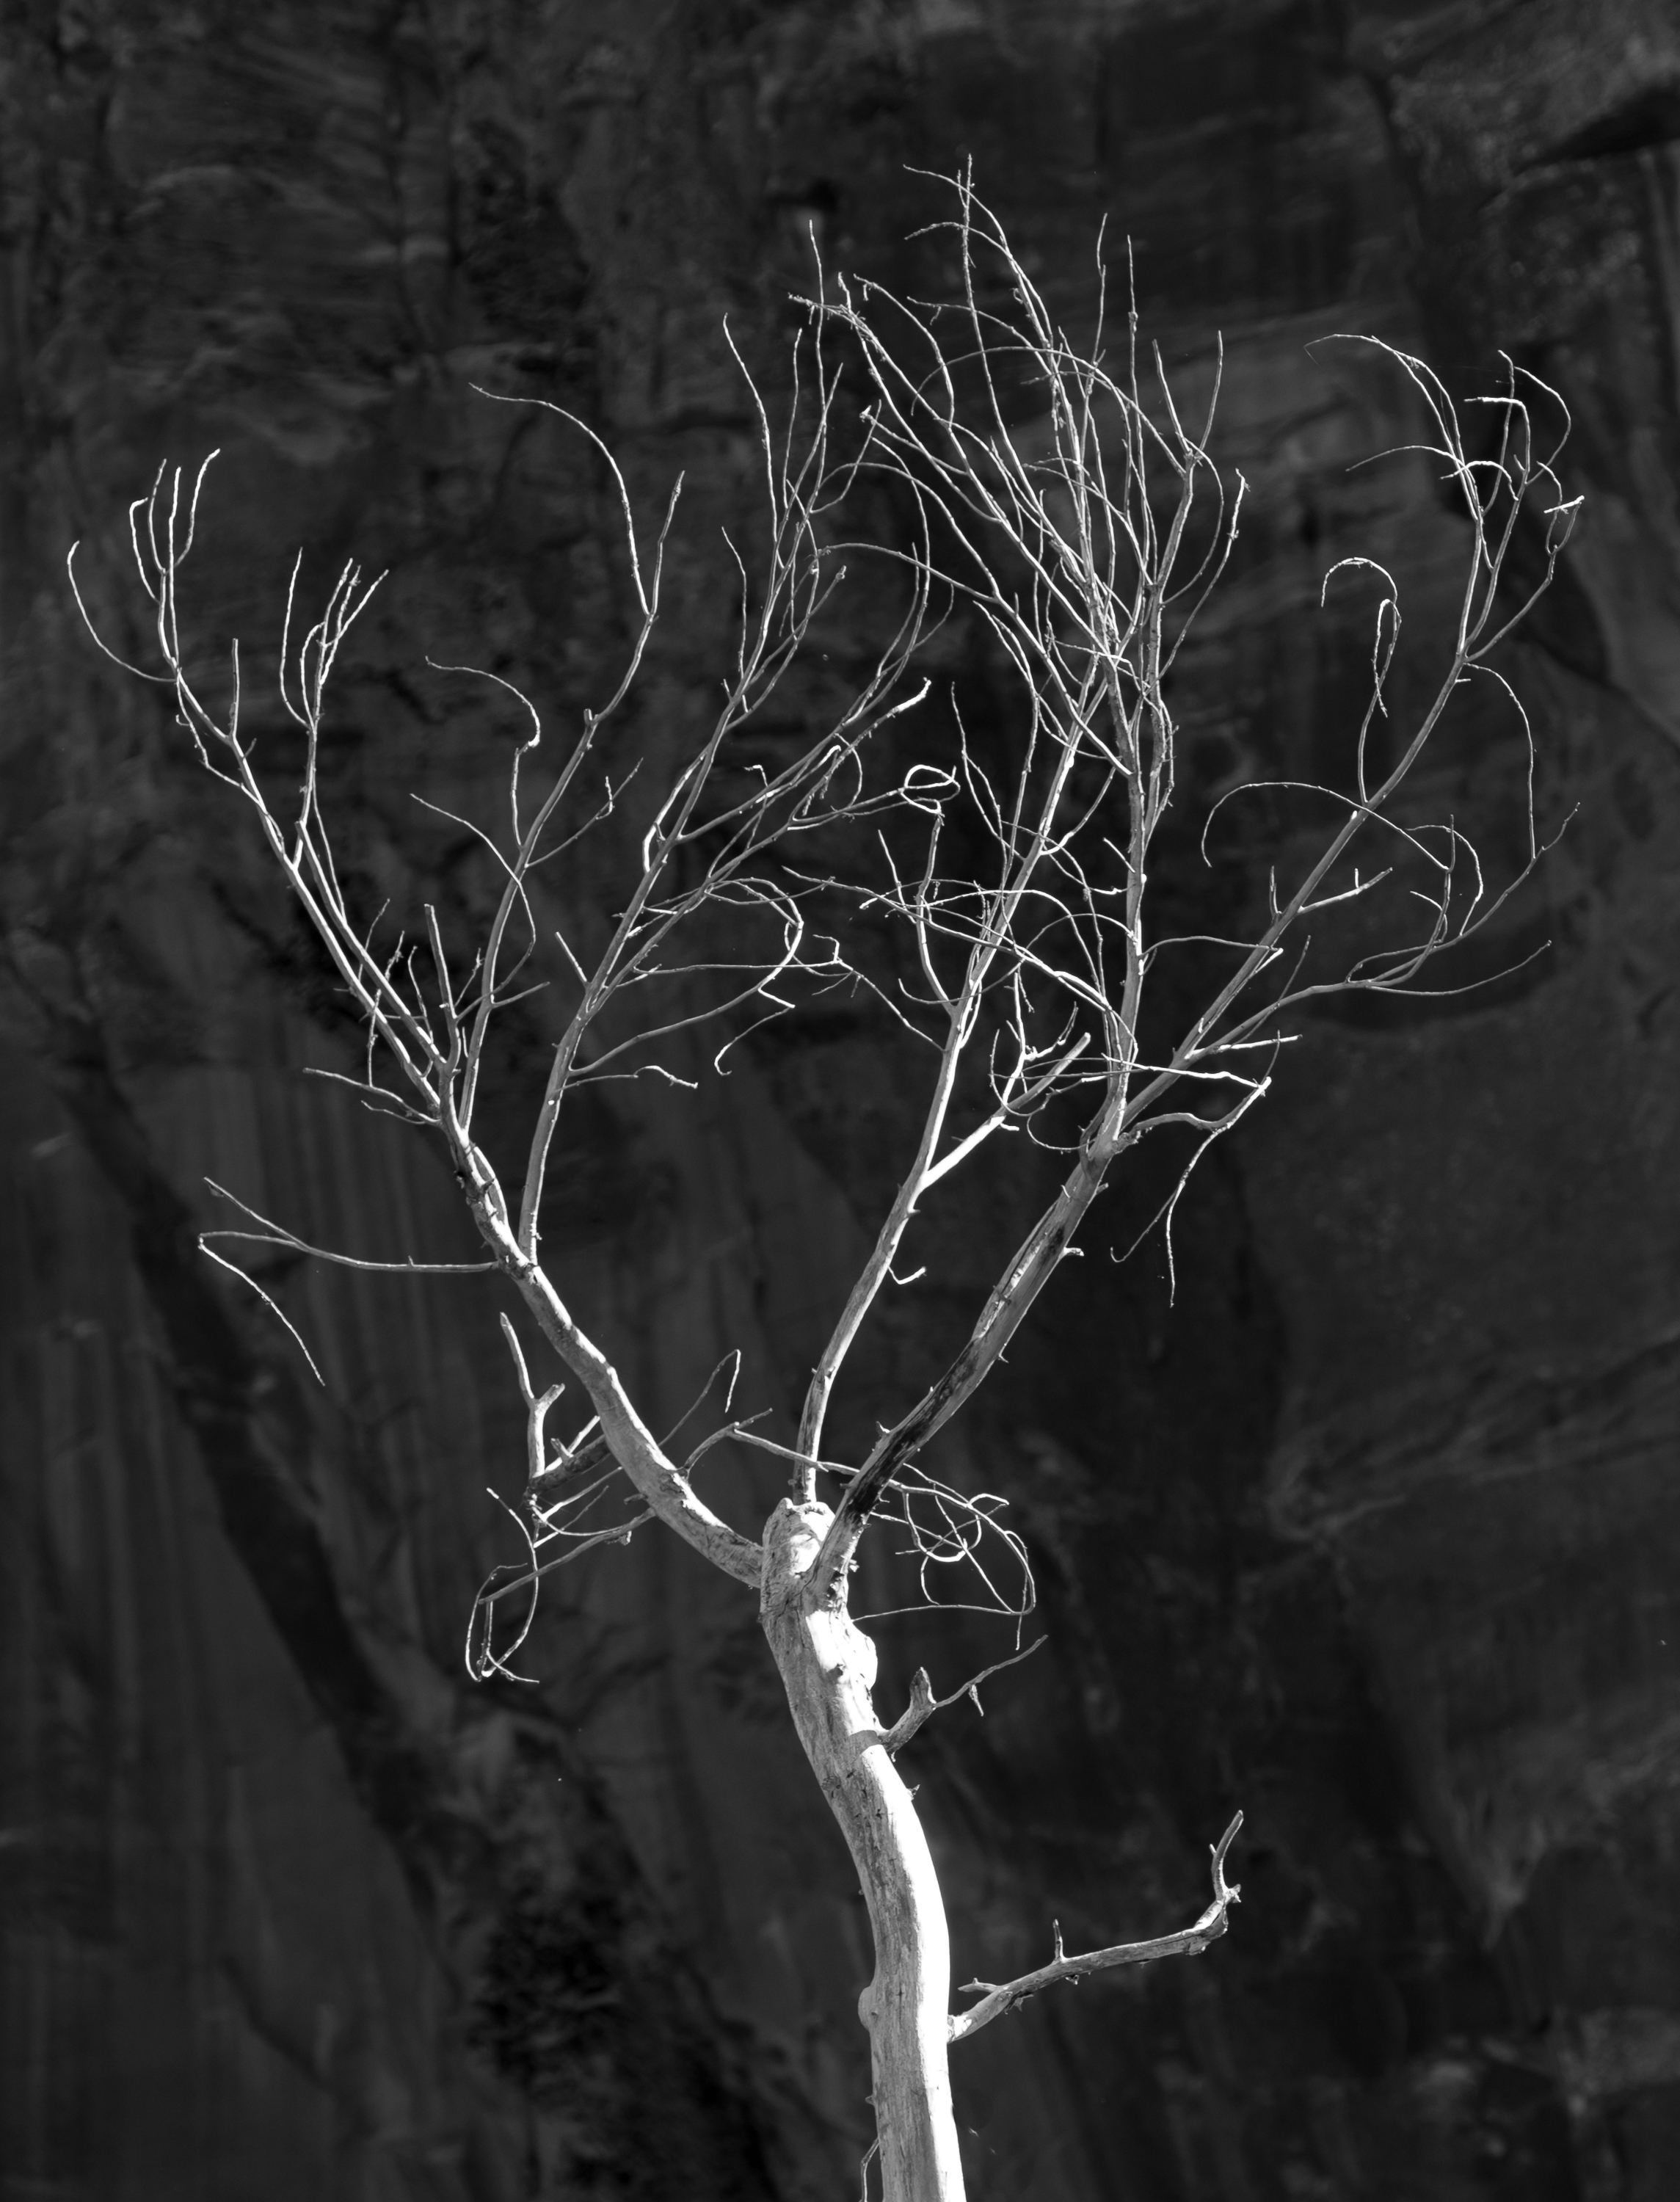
(924, 1704)
(1190, 1942)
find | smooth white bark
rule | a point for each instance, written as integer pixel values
(828, 1666)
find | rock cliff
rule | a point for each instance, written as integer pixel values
(1374, 1531)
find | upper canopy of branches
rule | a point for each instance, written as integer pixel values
(1086, 541)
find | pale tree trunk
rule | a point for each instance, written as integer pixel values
(828, 1668)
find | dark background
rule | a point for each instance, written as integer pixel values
(1373, 1532)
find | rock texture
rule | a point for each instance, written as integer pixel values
(1373, 1531)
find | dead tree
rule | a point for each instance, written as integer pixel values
(1086, 546)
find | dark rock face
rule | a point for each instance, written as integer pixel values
(1373, 1531)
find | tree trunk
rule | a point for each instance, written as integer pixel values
(828, 1668)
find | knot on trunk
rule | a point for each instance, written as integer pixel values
(793, 1537)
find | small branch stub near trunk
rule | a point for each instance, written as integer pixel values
(924, 1704)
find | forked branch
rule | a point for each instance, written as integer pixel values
(924, 1704)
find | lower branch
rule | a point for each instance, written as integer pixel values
(1189, 1943)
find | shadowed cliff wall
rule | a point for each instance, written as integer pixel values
(1373, 1531)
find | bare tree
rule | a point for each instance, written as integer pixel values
(1085, 543)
